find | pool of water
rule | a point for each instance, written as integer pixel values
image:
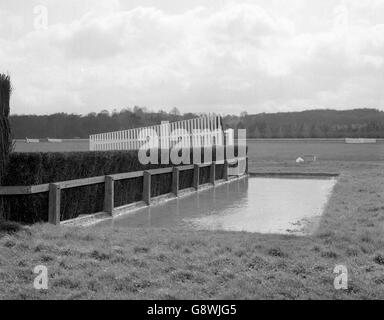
(265, 205)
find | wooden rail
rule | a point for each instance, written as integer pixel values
(54, 189)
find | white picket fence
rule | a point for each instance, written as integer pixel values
(198, 132)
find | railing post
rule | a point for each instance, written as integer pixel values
(147, 188)
(196, 176)
(225, 170)
(175, 181)
(246, 165)
(90, 143)
(54, 204)
(109, 193)
(212, 172)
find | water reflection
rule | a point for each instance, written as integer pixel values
(266, 205)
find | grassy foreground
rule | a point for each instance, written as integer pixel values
(114, 263)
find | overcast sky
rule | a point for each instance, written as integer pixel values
(200, 56)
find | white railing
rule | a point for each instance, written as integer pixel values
(198, 132)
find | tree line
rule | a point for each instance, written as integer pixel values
(363, 123)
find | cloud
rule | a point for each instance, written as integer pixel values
(10, 25)
(240, 56)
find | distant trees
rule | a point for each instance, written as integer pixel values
(67, 126)
(175, 112)
(367, 123)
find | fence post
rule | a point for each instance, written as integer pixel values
(175, 181)
(196, 176)
(109, 195)
(226, 170)
(90, 143)
(147, 188)
(212, 172)
(54, 204)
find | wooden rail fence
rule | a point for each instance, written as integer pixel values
(54, 189)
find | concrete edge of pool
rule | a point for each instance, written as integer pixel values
(315, 175)
(96, 218)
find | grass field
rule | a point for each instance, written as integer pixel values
(109, 262)
(259, 150)
(65, 146)
(324, 150)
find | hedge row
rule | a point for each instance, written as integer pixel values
(41, 168)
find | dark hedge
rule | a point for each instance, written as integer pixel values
(41, 168)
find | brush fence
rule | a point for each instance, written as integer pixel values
(199, 132)
(54, 189)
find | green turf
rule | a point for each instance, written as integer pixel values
(259, 150)
(109, 262)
